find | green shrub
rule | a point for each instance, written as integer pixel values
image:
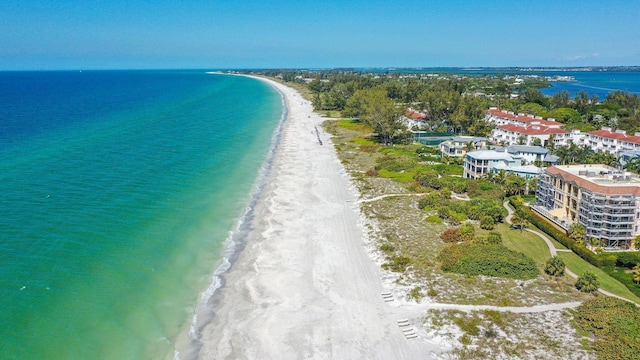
(627, 259)
(444, 212)
(587, 282)
(487, 223)
(467, 232)
(555, 266)
(456, 218)
(397, 263)
(433, 219)
(489, 260)
(416, 293)
(614, 325)
(387, 248)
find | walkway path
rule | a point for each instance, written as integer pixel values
(453, 195)
(554, 252)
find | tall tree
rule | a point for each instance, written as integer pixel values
(381, 114)
(560, 99)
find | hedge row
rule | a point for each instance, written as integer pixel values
(621, 259)
(561, 236)
(623, 277)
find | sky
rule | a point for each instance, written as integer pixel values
(241, 34)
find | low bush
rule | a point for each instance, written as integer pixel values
(433, 219)
(614, 325)
(397, 263)
(489, 260)
(451, 235)
(627, 259)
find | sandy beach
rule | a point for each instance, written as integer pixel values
(304, 286)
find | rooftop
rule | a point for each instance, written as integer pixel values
(599, 178)
(527, 149)
(532, 130)
(617, 135)
(490, 155)
(525, 118)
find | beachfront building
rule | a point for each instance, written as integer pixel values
(613, 141)
(605, 200)
(459, 145)
(481, 163)
(511, 134)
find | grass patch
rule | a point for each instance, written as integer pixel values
(354, 125)
(579, 266)
(404, 177)
(364, 141)
(525, 242)
(408, 150)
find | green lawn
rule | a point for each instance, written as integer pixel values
(525, 242)
(578, 266)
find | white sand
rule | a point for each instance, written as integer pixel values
(304, 287)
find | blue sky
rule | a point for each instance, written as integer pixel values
(117, 34)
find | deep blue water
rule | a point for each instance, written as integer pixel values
(118, 191)
(596, 83)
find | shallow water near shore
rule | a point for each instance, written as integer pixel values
(118, 191)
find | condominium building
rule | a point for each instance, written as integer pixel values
(512, 134)
(605, 200)
(613, 141)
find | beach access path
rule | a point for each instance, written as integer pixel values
(304, 286)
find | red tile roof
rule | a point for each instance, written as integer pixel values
(525, 119)
(532, 129)
(608, 134)
(591, 186)
(415, 115)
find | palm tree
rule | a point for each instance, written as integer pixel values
(587, 282)
(554, 266)
(636, 275)
(519, 218)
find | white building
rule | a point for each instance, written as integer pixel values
(511, 127)
(478, 164)
(613, 141)
(511, 134)
(457, 147)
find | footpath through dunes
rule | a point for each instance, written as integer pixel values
(304, 286)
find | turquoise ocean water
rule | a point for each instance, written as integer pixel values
(118, 192)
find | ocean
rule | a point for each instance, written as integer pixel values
(119, 194)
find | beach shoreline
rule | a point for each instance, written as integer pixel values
(303, 285)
